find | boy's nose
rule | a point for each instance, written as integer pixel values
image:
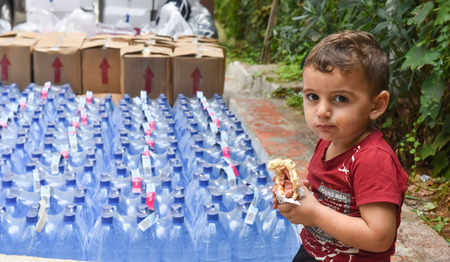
(323, 110)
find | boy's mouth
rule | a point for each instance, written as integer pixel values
(324, 127)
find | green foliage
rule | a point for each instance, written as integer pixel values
(416, 35)
(289, 72)
(293, 98)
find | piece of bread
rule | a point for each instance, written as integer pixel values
(287, 181)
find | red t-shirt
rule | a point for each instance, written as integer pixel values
(369, 172)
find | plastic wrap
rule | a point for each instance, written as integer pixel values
(201, 21)
(171, 22)
(78, 21)
(38, 20)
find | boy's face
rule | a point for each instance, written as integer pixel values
(337, 106)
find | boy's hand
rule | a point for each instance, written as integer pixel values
(303, 213)
(274, 190)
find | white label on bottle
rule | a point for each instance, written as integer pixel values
(81, 103)
(4, 121)
(55, 163)
(75, 121)
(30, 97)
(206, 106)
(73, 142)
(48, 85)
(45, 194)
(230, 176)
(36, 180)
(149, 141)
(137, 101)
(213, 128)
(199, 94)
(148, 114)
(23, 102)
(225, 149)
(89, 97)
(231, 165)
(65, 150)
(14, 108)
(144, 96)
(147, 165)
(148, 221)
(147, 130)
(136, 181)
(224, 136)
(255, 192)
(251, 215)
(43, 203)
(84, 116)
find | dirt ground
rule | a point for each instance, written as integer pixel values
(431, 200)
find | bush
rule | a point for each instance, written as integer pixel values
(414, 34)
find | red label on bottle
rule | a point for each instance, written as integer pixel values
(150, 200)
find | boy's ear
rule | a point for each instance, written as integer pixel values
(380, 103)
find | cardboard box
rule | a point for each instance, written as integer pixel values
(101, 65)
(57, 58)
(198, 67)
(147, 68)
(16, 64)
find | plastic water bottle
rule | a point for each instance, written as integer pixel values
(85, 211)
(213, 244)
(15, 207)
(33, 243)
(6, 243)
(281, 240)
(20, 157)
(107, 242)
(248, 243)
(164, 197)
(144, 244)
(179, 245)
(88, 178)
(70, 240)
(100, 196)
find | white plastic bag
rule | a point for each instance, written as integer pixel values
(78, 21)
(38, 20)
(171, 22)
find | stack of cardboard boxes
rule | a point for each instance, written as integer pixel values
(114, 64)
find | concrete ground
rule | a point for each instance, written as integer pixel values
(280, 131)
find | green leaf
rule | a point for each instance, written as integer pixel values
(432, 57)
(420, 13)
(443, 13)
(432, 91)
(429, 206)
(412, 151)
(413, 57)
(427, 150)
(439, 162)
(438, 227)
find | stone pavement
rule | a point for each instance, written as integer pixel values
(279, 131)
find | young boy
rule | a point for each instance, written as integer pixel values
(356, 184)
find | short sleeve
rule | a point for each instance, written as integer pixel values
(377, 178)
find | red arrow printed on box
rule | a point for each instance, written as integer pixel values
(57, 66)
(104, 66)
(196, 76)
(148, 75)
(5, 63)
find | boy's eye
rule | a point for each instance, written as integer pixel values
(340, 99)
(312, 97)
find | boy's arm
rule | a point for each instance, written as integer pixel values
(374, 231)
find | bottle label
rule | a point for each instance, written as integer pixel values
(251, 215)
(206, 106)
(210, 111)
(215, 120)
(147, 130)
(73, 143)
(4, 121)
(232, 166)
(230, 176)
(23, 103)
(44, 92)
(81, 104)
(147, 165)
(36, 181)
(136, 181)
(150, 195)
(255, 192)
(89, 97)
(84, 116)
(213, 128)
(65, 150)
(148, 221)
(55, 163)
(144, 96)
(45, 195)
(75, 121)
(137, 101)
(43, 203)
(149, 141)
(144, 106)
(199, 94)
(225, 149)
(30, 97)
